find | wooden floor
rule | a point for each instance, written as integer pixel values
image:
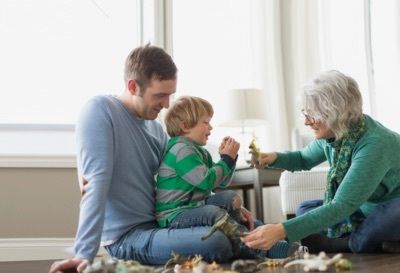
(25, 267)
(382, 263)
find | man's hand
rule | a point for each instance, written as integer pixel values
(69, 265)
(264, 237)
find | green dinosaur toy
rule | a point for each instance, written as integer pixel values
(229, 227)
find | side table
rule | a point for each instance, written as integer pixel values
(246, 178)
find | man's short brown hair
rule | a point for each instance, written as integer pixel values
(148, 62)
(184, 113)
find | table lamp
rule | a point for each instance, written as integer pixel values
(247, 109)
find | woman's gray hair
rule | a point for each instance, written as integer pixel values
(333, 98)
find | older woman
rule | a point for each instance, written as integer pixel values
(360, 210)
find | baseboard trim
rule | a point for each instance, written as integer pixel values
(30, 249)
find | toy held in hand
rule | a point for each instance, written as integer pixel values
(255, 153)
(229, 228)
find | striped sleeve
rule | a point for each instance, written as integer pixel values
(186, 177)
(193, 169)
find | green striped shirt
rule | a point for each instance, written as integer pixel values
(187, 176)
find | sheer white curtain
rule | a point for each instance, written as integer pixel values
(343, 42)
(322, 35)
(287, 44)
(232, 44)
(294, 35)
(213, 49)
(269, 70)
(360, 38)
(385, 46)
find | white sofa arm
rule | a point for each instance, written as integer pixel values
(297, 187)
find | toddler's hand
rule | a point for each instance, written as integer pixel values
(229, 146)
(223, 142)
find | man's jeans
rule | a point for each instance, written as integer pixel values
(150, 244)
(216, 206)
(381, 225)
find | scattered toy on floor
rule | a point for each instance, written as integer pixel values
(244, 266)
(343, 264)
(119, 266)
(320, 262)
(181, 264)
(182, 260)
(271, 263)
(298, 254)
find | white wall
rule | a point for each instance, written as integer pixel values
(39, 213)
(38, 202)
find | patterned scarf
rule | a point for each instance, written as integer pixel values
(341, 161)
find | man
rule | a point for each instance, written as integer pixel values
(120, 147)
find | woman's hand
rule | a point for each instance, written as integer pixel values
(264, 237)
(266, 159)
(72, 265)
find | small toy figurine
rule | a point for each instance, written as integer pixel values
(101, 266)
(298, 254)
(255, 153)
(314, 262)
(271, 263)
(244, 266)
(203, 267)
(182, 260)
(343, 264)
(119, 266)
(230, 229)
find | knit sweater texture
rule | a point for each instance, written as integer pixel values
(372, 179)
(118, 158)
(187, 175)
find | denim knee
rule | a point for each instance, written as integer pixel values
(381, 225)
(308, 205)
(228, 194)
(224, 199)
(214, 212)
(355, 245)
(219, 248)
(361, 244)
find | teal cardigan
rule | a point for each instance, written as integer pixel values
(372, 179)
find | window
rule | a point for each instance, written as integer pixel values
(362, 39)
(57, 54)
(385, 47)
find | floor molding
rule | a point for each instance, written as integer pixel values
(31, 249)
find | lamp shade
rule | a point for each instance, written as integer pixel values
(248, 107)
